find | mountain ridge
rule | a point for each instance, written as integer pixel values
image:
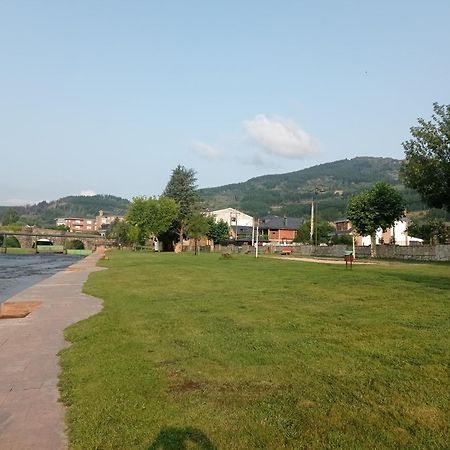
(291, 193)
(287, 194)
(45, 213)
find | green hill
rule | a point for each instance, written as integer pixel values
(291, 193)
(45, 213)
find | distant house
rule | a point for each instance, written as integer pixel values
(239, 223)
(88, 224)
(280, 229)
(343, 226)
(77, 224)
(104, 219)
(397, 234)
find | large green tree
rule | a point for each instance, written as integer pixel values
(123, 233)
(427, 158)
(197, 226)
(217, 231)
(379, 207)
(152, 216)
(182, 188)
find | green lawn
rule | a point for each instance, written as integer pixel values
(246, 353)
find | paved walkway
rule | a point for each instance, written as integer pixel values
(31, 417)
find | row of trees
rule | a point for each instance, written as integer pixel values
(176, 214)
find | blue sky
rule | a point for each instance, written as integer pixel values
(109, 96)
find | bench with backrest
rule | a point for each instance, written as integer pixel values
(286, 251)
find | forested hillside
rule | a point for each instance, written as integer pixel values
(45, 213)
(281, 194)
(291, 193)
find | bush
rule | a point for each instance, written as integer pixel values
(11, 242)
(75, 245)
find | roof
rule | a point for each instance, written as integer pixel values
(228, 210)
(280, 223)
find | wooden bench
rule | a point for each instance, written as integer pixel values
(286, 251)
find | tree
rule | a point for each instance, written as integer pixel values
(75, 244)
(379, 207)
(427, 158)
(217, 231)
(118, 231)
(10, 217)
(323, 230)
(197, 226)
(152, 216)
(303, 233)
(183, 189)
(433, 230)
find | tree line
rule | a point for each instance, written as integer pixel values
(177, 213)
(170, 218)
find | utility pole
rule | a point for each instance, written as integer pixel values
(317, 189)
(311, 231)
(257, 237)
(253, 232)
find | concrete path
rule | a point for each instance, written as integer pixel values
(31, 417)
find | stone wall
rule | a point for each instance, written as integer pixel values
(414, 252)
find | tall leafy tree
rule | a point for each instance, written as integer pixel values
(124, 233)
(427, 158)
(379, 207)
(323, 230)
(197, 226)
(182, 188)
(152, 216)
(217, 231)
(431, 231)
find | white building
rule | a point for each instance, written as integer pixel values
(232, 217)
(398, 234)
(240, 224)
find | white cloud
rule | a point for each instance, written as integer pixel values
(280, 137)
(88, 193)
(206, 151)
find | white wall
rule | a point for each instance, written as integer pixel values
(227, 214)
(400, 232)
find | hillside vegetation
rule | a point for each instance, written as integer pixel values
(291, 193)
(45, 213)
(281, 194)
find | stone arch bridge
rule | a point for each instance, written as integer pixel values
(28, 236)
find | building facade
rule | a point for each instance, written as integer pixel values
(238, 222)
(88, 224)
(282, 230)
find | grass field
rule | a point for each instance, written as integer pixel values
(203, 352)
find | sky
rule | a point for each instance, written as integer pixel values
(109, 97)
